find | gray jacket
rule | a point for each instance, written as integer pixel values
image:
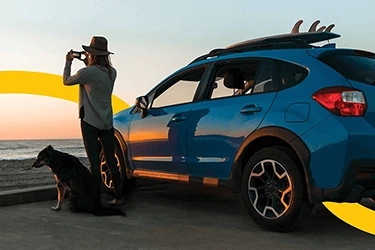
(95, 93)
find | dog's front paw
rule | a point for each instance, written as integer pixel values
(57, 208)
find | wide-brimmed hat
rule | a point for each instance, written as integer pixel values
(98, 46)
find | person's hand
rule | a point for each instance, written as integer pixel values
(69, 56)
(87, 55)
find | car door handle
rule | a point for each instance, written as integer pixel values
(178, 118)
(252, 108)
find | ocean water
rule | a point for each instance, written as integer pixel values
(29, 149)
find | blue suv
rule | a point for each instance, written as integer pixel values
(287, 123)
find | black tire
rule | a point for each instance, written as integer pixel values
(128, 184)
(274, 192)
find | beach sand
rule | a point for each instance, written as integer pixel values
(16, 174)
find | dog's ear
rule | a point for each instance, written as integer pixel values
(49, 148)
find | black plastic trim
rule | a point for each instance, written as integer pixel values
(288, 137)
(121, 142)
(352, 189)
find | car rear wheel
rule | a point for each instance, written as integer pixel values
(107, 182)
(273, 191)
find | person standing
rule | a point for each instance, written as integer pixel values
(96, 82)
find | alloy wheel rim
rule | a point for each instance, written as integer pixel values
(106, 173)
(270, 189)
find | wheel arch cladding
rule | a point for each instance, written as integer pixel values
(267, 137)
(121, 143)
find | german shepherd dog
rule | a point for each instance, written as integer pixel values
(71, 174)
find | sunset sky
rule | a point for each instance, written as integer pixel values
(150, 40)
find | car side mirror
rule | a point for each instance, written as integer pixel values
(142, 103)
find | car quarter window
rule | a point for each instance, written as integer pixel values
(290, 74)
(178, 90)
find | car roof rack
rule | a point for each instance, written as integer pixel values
(284, 41)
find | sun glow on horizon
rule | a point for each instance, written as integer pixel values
(36, 117)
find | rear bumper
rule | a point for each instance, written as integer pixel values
(342, 161)
(358, 183)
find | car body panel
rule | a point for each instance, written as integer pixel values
(217, 128)
(157, 142)
(333, 144)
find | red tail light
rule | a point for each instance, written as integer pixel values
(342, 101)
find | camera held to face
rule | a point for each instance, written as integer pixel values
(78, 55)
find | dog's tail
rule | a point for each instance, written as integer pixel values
(108, 211)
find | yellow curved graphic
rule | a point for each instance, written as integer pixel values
(36, 83)
(23, 82)
(354, 214)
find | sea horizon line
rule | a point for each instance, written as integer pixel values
(41, 139)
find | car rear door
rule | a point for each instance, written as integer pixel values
(219, 124)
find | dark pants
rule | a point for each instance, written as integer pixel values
(90, 136)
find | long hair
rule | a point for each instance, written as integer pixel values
(104, 61)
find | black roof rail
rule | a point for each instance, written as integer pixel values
(292, 40)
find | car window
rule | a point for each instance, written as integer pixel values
(354, 67)
(179, 90)
(290, 74)
(233, 79)
(264, 82)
